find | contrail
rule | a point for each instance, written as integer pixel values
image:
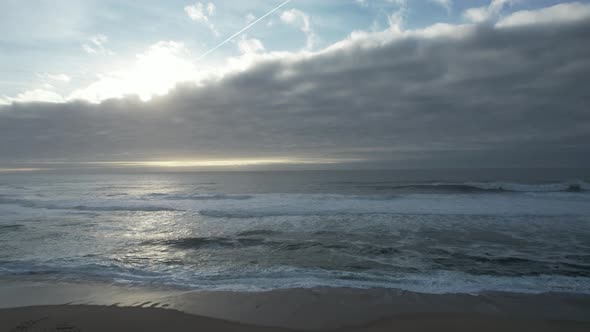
(241, 31)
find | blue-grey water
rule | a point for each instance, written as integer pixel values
(432, 231)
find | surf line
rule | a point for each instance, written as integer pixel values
(243, 30)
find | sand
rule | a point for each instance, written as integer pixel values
(66, 307)
(97, 318)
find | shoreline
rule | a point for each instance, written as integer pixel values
(314, 309)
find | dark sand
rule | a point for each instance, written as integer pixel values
(95, 318)
(66, 307)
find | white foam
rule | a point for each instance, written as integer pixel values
(269, 205)
(520, 187)
(286, 277)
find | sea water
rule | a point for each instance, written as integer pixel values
(430, 231)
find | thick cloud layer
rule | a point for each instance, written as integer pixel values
(474, 95)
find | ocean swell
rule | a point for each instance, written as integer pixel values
(490, 187)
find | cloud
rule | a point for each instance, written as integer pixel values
(400, 3)
(201, 13)
(365, 3)
(96, 45)
(36, 95)
(362, 3)
(250, 18)
(62, 78)
(302, 21)
(402, 6)
(558, 14)
(465, 95)
(211, 9)
(252, 45)
(154, 72)
(446, 4)
(487, 13)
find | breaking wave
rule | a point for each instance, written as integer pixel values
(475, 187)
(285, 277)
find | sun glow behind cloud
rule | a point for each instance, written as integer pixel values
(173, 165)
(22, 169)
(169, 61)
(214, 163)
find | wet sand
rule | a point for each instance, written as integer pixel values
(96, 318)
(42, 306)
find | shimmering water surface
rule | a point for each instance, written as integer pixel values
(461, 231)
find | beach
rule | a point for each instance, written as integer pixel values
(38, 306)
(303, 251)
(91, 318)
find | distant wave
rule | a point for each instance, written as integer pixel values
(218, 197)
(15, 201)
(11, 227)
(246, 214)
(474, 187)
(203, 242)
(259, 232)
(146, 208)
(196, 243)
(45, 205)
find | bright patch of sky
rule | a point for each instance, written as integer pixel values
(56, 51)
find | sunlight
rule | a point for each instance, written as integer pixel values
(169, 61)
(207, 163)
(214, 163)
(15, 170)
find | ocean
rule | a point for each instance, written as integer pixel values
(427, 231)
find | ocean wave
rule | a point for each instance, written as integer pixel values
(256, 278)
(16, 201)
(206, 242)
(578, 186)
(145, 208)
(418, 204)
(52, 206)
(196, 197)
(11, 227)
(490, 187)
(247, 214)
(197, 243)
(312, 205)
(259, 232)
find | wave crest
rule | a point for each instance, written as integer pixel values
(483, 187)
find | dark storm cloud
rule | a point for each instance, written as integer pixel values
(491, 97)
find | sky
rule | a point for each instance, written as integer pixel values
(331, 83)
